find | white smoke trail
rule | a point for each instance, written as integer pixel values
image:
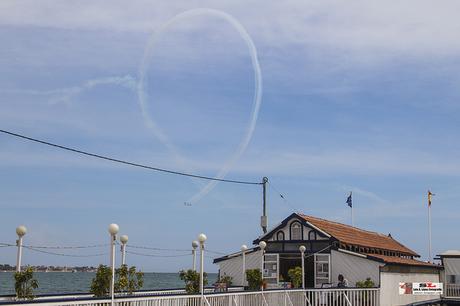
(257, 99)
(67, 93)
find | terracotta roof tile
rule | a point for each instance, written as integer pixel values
(402, 261)
(352, 235)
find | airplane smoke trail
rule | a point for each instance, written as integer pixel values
(257, 99)
(67, 93)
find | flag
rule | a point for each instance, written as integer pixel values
(349, 201)
(429, 197)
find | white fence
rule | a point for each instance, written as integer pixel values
(309, 297)
(452, 290)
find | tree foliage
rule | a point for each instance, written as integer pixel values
(100, 285)
(254, 278)
(25, 284)
(227, 280)
(295, 274)
(192, 280)
(368, 283)
(127, 280)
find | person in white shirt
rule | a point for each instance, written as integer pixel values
(343, 282)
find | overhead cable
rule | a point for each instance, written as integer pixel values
(120, 161)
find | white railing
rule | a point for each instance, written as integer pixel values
(309, 297)
(452, 290)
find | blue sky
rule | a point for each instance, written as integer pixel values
(358, 96)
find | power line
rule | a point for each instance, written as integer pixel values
(282, 196)
(155, 255)
(61, 254)
(67, 247)
(120, 161)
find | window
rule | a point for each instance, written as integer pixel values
(296, 231)
(311, 235)
(280, 236)
(322, 275)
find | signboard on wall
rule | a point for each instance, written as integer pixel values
(427, 288)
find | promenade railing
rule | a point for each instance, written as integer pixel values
(308, 297)
(452, 291)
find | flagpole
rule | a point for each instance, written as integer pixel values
(429, 226)
(352, 221)
(429, 231)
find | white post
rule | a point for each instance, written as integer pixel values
(352, 221)
(262, 246)
(243, 254)
(113, 230)
(202, 238)
(124, 241)
(195, 244)
(429, 232)
(302, 249)
(20, 231)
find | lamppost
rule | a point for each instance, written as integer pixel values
(124, 241)
(20, 231)
(262, 246)
(302, 250)
(195, 244)
(113, 230)
(244, 248)
(201, 239)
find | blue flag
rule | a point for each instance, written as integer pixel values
(349, 201)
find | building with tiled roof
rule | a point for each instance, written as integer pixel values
(331, 248)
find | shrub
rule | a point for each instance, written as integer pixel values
(100, 285)
(128, 280)
(295, 274)
(368, 283)
(25, 284)
(254, 278)
(228, 280)
(192, 280)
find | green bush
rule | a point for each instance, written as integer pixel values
(127, 280)
(100, 285)
(228, 280)
(192, 280)
(25, 284)
(368, 283)
(254, 278)
(295, 274)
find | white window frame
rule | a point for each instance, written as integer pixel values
(328, 262)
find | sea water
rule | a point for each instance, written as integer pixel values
(78, 282)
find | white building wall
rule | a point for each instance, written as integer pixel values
(233, 266)
(389, 287)
(353, 268)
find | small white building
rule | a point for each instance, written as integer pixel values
(333, 248)
(451, 274)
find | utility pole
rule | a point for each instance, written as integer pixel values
(263, 219)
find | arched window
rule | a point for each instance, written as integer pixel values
(280, 236)
(296, 231)
(311, 235)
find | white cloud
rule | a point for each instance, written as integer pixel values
(374, 27)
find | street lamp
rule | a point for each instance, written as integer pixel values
(244, 248)
(124, 241)
(113, 230)
(20, 231)
(195, 244)
(302, 250)
(201, 239)
(262, 246)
